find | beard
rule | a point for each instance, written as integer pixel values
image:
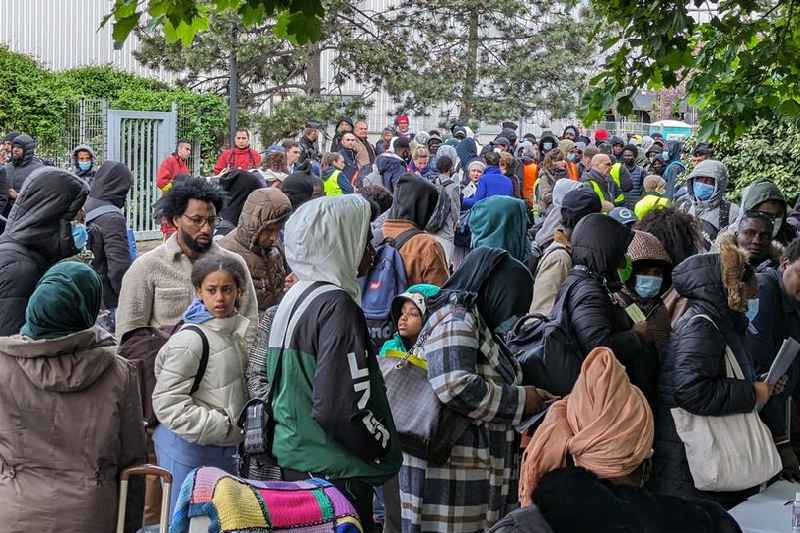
(193, 244)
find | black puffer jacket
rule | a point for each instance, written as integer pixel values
(38, 235)
(599, 244)
(576, 500)
(15, 174)
(108, 229)
(692, 375)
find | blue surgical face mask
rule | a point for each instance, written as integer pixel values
(547, 146)
(572, 157)
(648, 286)
(752, 309)
(703, 191)
(84, 165)
(79, 235)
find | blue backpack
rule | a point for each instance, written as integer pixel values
(386, 279)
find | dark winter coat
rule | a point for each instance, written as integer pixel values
(390, 166)
(76, 415)
(575, 500)
(599, 244)
(524, 520)
(637, 175)
(108, 230)
(88, 174)
(309, 150)
(15, 174)
(262, 208)
(38, 235)
(237, 184)
(350, 162)
(692, 375)
(778, 318)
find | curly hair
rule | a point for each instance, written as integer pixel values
(276, 162)
(380, 195)
(677, 231)
(173, 204)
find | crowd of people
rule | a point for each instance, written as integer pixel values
(389, 305)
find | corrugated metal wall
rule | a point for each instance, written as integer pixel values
(64, 34)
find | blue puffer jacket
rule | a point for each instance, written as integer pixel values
(492, 183)
(390, 166)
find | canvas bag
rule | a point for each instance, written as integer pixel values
(731, 452)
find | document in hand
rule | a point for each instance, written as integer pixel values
(784, 359)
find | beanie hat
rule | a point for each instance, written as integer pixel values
(646, 247)
(502, 140)
(508, 125)
(460, 132)
(601, 135)
(577, 204)
(616, 140)
(401, 142)
(401, 118)
(509, 134)
(565, 145)
(623, 215)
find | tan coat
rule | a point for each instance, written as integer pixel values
(262, 208)
(70, 421)
(423, 256)
(551, 272)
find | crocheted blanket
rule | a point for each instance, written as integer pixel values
(235, 505)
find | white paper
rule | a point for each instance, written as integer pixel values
(784, 359)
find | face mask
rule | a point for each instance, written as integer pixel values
(547, 146)
(84, 165)
(776, 227)
(647, 286)
(79, 235)
(626, 271)
(572, 157)
(752, 309)
(665, 155)
(498, 150)
(703, 191)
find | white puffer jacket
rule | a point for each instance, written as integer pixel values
(207, 417)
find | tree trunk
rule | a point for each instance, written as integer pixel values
(233, 88)
(313, 70)
(471, 78)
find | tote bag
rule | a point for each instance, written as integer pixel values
(727, 453)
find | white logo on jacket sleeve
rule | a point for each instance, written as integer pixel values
(361, 386)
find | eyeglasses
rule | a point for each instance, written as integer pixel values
(199, 222)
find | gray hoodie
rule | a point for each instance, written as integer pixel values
(89, 173)
(709, 210)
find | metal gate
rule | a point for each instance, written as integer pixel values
(141, 140)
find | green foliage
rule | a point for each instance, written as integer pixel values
(289, 116)
(768, 151)
(488, 61)
(38, 101)
(739, 68)
(32, 100)
(300, 21)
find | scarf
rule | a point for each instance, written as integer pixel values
(197, 313)
(605, 424)
(66, 300)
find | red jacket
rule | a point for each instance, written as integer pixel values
(241, 158)
(169, 168)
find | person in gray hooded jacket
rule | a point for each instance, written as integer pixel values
(84, 162)
(707, 185)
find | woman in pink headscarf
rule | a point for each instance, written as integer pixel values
(586, 464)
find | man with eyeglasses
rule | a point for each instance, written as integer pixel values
(157, 288)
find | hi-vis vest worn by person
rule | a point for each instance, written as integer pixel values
(331, 184)
(616, 176)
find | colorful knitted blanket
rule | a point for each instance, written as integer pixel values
(235, 505)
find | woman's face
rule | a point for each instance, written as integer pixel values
(475, 174)
(219, 293)
(421, 160)
(410, 322)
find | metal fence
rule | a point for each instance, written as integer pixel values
(85, 122)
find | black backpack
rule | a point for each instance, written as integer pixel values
(546, 349)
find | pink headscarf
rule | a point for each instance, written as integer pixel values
(605, 424)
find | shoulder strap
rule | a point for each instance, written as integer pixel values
(102, 210)
(288, 323)
(201, 369)
(404, 237)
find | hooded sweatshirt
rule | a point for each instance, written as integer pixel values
(108, 229)
(38, 234)
(89, 173)
(237, 158)
(262, 208)
(331, 412)
(16, 173)
(710, 212)
(237, 184)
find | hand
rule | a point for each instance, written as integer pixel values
(791, 466)
(290, 280)
(763, 392)
(533, 401)
(643, 331)
(12, 194)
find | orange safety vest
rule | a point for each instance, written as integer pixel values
(572, 171)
